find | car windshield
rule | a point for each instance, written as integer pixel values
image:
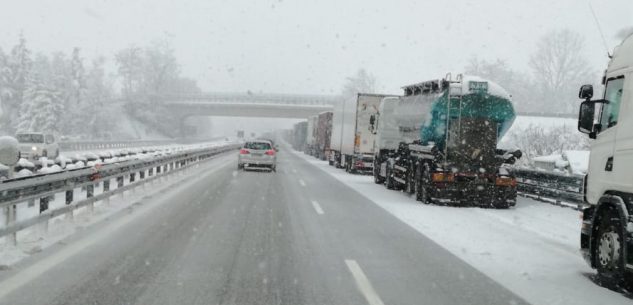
(30, 138)
(291, 152)
(257, 145)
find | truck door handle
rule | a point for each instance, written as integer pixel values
(609, 166)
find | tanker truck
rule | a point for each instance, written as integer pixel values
(439, 142)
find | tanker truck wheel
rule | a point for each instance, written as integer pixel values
(409, 187)
(389, 183)
(422, 182)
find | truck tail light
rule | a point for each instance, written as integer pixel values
(505, 181)
(270, 152)
(442, 177)
(244, 152)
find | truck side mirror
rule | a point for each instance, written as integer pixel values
(586, 116)
(586, 92)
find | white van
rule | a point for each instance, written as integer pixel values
(34, 145)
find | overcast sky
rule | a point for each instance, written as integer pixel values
(311, 46)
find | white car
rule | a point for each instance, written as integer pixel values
(34, 145)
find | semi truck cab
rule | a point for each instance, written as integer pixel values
(607, 229)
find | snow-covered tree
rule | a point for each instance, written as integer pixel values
(559, 67)
(19, 66)
(41, 109)
(362, 82)
(130, 67)
(160, 68)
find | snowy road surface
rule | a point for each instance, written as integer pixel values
(252, 238)
(305, 235)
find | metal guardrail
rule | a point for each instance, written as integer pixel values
(44, 188)
(554, 186)
(87, 145)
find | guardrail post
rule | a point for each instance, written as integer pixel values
(106, 188)
(132, 179)
(90, 192)
(119, 184)
(44, 208)
(10, 212)
(69, 200)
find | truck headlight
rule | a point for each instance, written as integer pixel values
(34, 148)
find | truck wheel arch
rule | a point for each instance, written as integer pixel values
(608, 201)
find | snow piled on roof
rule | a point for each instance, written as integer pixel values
(578, 160)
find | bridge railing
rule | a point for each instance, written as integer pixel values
(99, 145)
(97, 183)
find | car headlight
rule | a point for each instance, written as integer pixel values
(34, 148)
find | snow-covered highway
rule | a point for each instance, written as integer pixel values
(232, 237)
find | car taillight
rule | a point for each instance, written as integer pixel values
(443, 177)
(244, 152)
(505, 181)
(270, 152)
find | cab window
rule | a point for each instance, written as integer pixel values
(611, 110)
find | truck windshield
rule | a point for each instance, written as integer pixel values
(30, 138)
(613, 94)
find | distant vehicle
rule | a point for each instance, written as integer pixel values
(298, 135)
(323, 135)
(310, 146)
(240, 134)
(607, 227)
(257, 154)
(439, 142)
(352, 142)
(34, 145)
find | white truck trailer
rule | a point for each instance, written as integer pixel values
(352, 142)
(606, 238)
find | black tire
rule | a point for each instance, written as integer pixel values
(377, 178)
(409, 187)
(422, 184)
(609, 248)
(389, 183)
(240, 166)
(330, 162)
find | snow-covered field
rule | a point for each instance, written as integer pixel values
(532, 249)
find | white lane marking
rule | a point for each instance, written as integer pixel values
(363, 284)
(317, 207)
(303, 183)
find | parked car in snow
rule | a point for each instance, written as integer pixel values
(34, 145)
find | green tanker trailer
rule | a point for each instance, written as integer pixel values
(439, 142)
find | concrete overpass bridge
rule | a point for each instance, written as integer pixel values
(269, 105)
(249, 105)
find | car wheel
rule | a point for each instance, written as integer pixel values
(609, 248)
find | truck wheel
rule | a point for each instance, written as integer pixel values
(609, 248)
(409, 187)
(377, 178)
(422, 184)
(389, 183)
